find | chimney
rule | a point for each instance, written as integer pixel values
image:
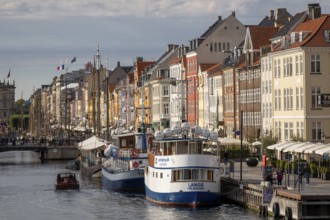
(118, 63)
(219, 18)
(282, 17)
(139, 59)
(233, 13)
(314, 11)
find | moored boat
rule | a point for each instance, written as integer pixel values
(66, 181)
(91, 156)
(126, 159)
(182, 170)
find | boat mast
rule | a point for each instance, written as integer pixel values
(98, 67)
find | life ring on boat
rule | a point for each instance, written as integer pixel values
(135, 164)
(134, 153)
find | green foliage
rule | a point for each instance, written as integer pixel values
(297, 139)
(15, 121)
(313, 167)
(21, 107)
(267, 141)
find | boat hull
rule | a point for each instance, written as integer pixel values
(66, 186)
(193, 199)
(129, 181)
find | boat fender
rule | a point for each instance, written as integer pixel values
(134, 153)
(288, 213)
(276, 210)
(135, 164)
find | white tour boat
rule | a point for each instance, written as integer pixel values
(184, 170)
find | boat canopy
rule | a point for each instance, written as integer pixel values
(92, 143)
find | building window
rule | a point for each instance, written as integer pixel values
(211, 86)
(228, 46)
(279, 69)
(315, 92)
(327, 35)
(289, 66)
(315, 64)
(291, 131)
(301, 64)
(165, 90)
(215, 46)
(316, 131)
(298, 129)
(211, 46)
(297, 98)
(219, 45)
(166, 108)
(297, 65)
(275, 68)
(286, 131)
(279, 100)
(284, 68)
(301, 98)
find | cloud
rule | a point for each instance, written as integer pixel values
(36, 9)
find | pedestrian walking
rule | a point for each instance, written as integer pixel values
(307, 174)
(279, 177)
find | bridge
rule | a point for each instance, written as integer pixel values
(40, 149)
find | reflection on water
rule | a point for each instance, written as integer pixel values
(19, 157)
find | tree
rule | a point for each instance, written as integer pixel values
(21, 107)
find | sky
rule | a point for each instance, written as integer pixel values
(36, 36)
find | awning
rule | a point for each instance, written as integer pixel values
(228, 141)
(305, 147)
(284, 146)
(294, 147)
(274, 146)
(313, 149)
(324, 150)
(92, 143)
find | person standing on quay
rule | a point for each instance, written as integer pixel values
(279, 176)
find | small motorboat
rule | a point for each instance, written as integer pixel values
(66, 181)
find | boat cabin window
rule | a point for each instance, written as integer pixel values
(183, 175)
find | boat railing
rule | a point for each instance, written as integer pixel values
(120, 165)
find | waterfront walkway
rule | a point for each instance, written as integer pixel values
(253, 175)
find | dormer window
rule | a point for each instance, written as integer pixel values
(293, 37)
(327, 36)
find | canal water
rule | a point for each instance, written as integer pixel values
(27, 193)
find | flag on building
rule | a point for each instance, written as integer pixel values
(73, 60)
(8, 75)
(60, 67)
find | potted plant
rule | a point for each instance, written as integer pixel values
(319, 172)
(325, 174)
(313, 170)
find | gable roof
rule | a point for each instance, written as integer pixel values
(297, 19)
(213, 27)
(316, 27)
(260, 35)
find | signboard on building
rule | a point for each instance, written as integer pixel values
(324, 100)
